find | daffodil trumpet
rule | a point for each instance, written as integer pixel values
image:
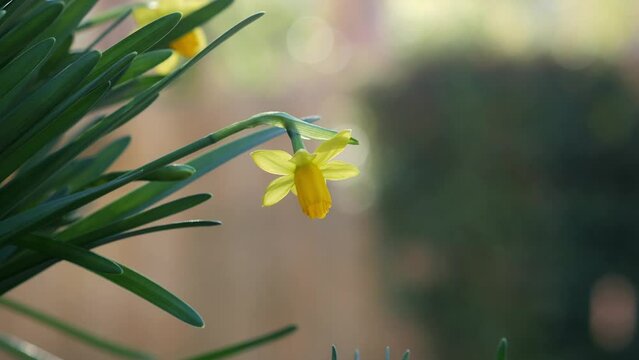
(305, 174)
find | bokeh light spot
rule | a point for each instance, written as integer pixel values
(310, 40)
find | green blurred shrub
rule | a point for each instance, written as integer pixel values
(506, 190)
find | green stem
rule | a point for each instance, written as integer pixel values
(296, 139)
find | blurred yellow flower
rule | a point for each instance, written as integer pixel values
(189, 44)
(305, 174)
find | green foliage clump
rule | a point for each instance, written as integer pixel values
(53, 107)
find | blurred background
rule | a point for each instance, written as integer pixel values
(498, 195)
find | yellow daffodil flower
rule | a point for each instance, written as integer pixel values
(305, 174)
(189, 44)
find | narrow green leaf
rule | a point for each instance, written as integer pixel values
(45, 98)
(23, 350)
(130, 89)
(75, 332)
(71, 253)
(406, 355)
(19, 73)
(74, 12)
(387, 352)
(502, 348)
(356, 357)
(193, 20)
(333, 352)
(152, 229)
(139, 41)
(104, 17)
(2, 14)
(246, 345)
(145, 62)
(60, 57)
(26, 30)
(156, 295)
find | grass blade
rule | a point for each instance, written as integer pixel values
(74, 332)
(246, 345)
(152, 229)
(502, 348)
(71, 253)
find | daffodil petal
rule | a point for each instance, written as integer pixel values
(190, 44)
(332, 147)
(274, 161)
(167, 66)
(339, 170)
(277, 190)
